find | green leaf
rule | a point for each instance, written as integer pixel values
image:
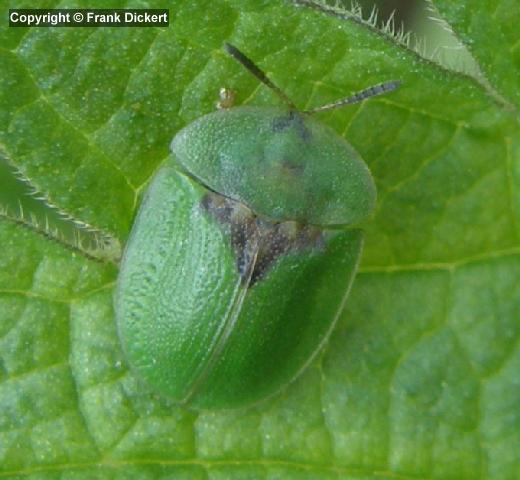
(490, 30)
(420, 378)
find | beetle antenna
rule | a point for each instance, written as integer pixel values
(255, 70)
(379, 89)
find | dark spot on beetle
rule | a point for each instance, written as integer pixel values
(291, 168)
(292, 120)
(243, 236)
(252, 236)
(278, 239)
(238, 222)
(219, 206)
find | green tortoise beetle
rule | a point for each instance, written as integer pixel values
(240, 259)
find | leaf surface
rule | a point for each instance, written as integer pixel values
(420, 378)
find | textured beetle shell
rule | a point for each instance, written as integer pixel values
(196, 327)
(281, 164)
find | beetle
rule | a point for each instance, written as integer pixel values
(243, 251)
